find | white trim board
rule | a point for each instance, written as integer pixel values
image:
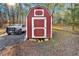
(51, 26)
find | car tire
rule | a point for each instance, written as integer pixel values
(9, 33)
(20, 32)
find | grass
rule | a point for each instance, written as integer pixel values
(2, 31)
(53, 42)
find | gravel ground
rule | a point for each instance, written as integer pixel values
(62, 44)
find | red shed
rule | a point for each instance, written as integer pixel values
(38, 23)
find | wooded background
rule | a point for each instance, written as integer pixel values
(64, 14)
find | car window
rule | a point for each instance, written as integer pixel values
(16, 25)
(23, 25)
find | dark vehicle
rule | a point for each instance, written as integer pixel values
(15, 29)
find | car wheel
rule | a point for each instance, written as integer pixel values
(9, 33)
(20, 31)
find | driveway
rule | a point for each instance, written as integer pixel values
(6, 40)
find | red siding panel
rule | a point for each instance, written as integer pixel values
(39, 32)
(39, 23)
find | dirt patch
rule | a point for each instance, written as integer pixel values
(8, 51)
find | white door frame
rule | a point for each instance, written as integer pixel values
(33, 28)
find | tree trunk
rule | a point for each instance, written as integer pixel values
(73, 16)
